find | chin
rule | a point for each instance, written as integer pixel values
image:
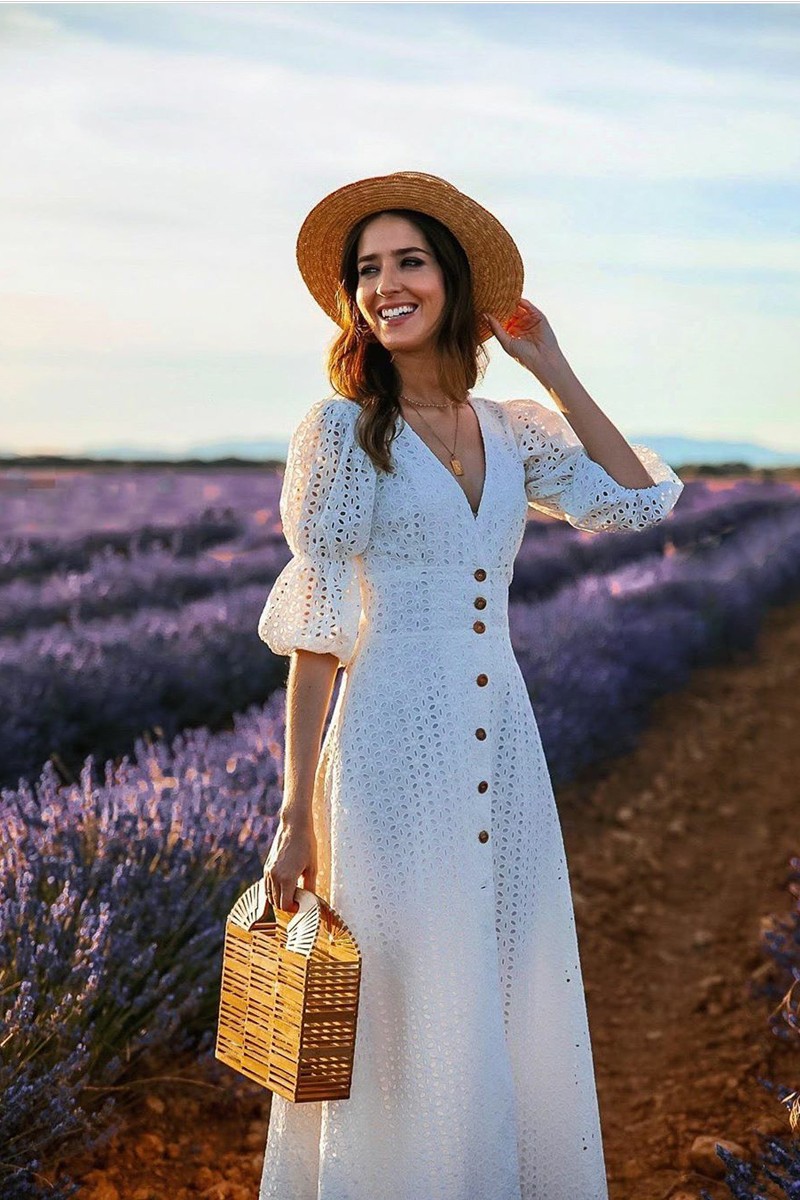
(403, 344)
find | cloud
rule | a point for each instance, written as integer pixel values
(157, 162)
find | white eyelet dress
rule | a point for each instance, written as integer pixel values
(439, 841)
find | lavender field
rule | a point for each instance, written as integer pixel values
(141, 741)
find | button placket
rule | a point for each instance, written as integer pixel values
(481, 680)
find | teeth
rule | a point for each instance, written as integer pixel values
(396, 312)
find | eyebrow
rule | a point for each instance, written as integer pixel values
(405, 250)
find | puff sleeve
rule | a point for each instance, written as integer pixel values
(326, 508)
(563, 481)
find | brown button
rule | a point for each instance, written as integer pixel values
(480, 574)
(483, 836)
(479, 602)
(480, 734)
(479, 627)
(483, 785)
(482, 680)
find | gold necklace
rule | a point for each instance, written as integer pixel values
(455, 463)
(422, 404)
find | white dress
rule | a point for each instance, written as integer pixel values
(439, 841)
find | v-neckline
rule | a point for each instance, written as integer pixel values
(485, 442)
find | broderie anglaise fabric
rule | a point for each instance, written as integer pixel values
(438, 836)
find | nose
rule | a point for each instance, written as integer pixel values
(388, 284)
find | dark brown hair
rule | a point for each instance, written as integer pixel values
(361, 368)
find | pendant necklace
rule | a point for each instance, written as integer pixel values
(455, 463)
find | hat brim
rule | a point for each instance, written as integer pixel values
(495, 261)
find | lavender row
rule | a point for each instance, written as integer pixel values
(597, 653)
(68, 693)
(59, 519)
(84, 514)
(113, 585)
(32, 557)
(93, 686)
(70, 504)
(552, 555)
(73, 503)
(545, 564)
(113, 900)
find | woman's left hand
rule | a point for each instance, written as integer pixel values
(527, 336)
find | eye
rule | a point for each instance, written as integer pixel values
(416, 261)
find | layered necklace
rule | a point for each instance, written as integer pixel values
(455, 463)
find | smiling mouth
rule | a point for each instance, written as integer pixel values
(396, 320)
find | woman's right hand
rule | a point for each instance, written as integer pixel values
(293, 853)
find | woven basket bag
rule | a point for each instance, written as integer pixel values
(289, 997)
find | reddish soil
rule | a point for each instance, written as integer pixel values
(676, 859)
(677, 853)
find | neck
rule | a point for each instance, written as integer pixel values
(419, 378)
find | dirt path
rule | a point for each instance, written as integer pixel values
(674, 859)
(675, 855)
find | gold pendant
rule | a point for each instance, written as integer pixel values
(455, 463)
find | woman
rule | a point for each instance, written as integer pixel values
(426, 816)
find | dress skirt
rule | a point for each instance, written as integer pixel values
(439, 841)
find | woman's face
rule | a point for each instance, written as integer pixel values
(397, 268)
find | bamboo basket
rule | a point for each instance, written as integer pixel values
(289, 996)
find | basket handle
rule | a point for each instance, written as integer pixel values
(271, 914)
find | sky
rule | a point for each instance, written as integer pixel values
(157, 161)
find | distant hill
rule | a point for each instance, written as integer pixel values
(208, 452)
(678, 451)
(255, 450)
(258, 451)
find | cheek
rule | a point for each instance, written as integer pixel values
(432, 289)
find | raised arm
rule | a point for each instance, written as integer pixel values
(578, 466)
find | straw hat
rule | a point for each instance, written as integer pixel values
(495, 261)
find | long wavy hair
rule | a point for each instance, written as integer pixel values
(360, 368)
